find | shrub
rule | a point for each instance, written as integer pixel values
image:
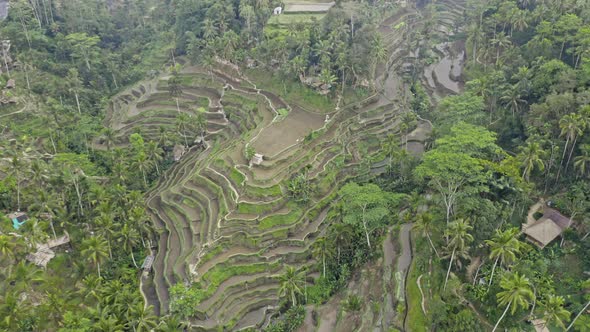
(321, 291)
(289, 321)
(249, 153)
(353, 303)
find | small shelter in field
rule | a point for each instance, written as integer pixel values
(45, 252)
(308, 7)
(18, 219)
(147, 263)
(278, 11)
(178, 151)
(540, 325)
(547, 228)
(257, 159)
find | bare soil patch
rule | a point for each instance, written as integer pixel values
(292, 130)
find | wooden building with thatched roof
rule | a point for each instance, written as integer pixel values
(547, 228)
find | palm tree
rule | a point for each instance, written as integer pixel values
(323, 249)
(143, 164)
(516, 294)
(571, 127)
(209, 29)
(7, 247)
(198, 123)
(108, 137)
(74, 86)
(503, 248)
(106, 228)
(586, 288)
(425, 224)
(554, 314)
(475, 35)
(129, 237)
(36, 233)
(182, 124)
(140, 221)
(16, 165)
(291, 284)
(458, 234)
(341, 234)
(38, 173)
(12, 310)
(531, 157)
(107, 322)
(154, 154)
(175, 88)
(142, 318)
(46, 203)
(520, 20)
(512, 99)
(171, 324)
(392, 150)
(582, 323)
(582, 162)
(230, 42)
(163, 136)
(500, 41)
(90, 287)
(523, 78)
(378, 53)
(247, 13)
(326, 77)
(323, 50)
(25, 275)
(94, 249)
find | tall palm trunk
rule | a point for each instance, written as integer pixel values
(578, 315)
(144, 178)
(569, 223)
(569, 157)
(502, 317)
(365, 228)
(157, 168)
(449, 270)
(293, 297)
(567, 141)
(109, 246)
(431, 244)
(77, 102)
(52, 229)
(17, 191)
(98, 267)
(493, 270)
(133, 259)
(79, 196)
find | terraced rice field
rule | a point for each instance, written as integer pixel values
(308, 6)
(228, 227)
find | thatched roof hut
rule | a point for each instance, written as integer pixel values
(45, 251)
(178, 152)
(147, 263)
(543, 231)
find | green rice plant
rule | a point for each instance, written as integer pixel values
(280, 233)
(281, 219)
(236, 176)
(273, 191)
(212, 253)
(282, 114)
(258, 208)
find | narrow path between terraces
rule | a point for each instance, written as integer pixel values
(403, 263)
